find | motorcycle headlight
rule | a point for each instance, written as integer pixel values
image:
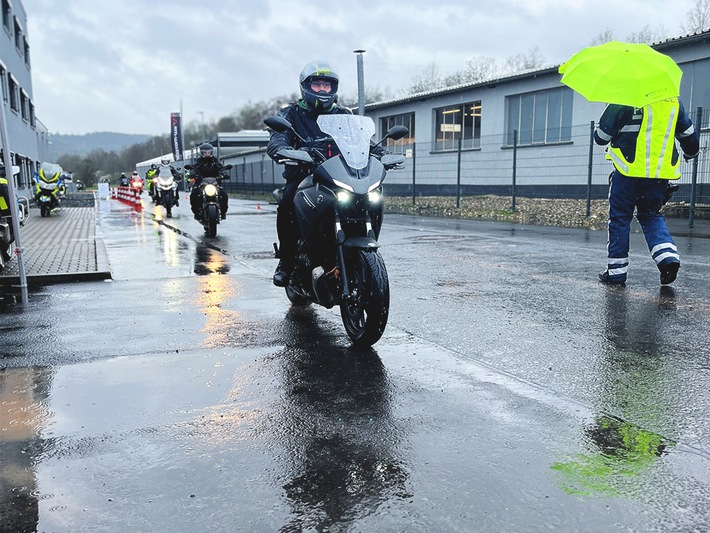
(374, 196)
(210, 190)
(344, 197)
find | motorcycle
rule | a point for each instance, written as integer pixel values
(209, 193)
(137, 183)
(339, 214)
(7, 236)
(49, 188)
(166, 193)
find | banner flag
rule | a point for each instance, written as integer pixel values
(176, 136)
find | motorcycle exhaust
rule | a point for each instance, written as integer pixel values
(322, 286)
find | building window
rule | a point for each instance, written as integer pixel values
(33, 118)
(3, 80)
(14, 96)
(406, 120)
(24, 106)
(540, 117)
(27, 52)
(6, 15)
(458, 122)
(18, 36)
(695, 89)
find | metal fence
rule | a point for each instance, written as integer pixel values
(576, 168)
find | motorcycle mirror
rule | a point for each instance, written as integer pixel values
(228, 167)
(278, 124)
(396, 132)
(187, 167)
(281, 125)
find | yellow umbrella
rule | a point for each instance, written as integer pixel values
(622, 73)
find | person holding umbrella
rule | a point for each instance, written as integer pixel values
(640, 125)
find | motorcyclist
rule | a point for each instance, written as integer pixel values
(149, 175)
(206, 166)
(123, 180)
(318, 83)
(49, 173)
(166, 169)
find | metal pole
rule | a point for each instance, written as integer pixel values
(458, 174)
(12, 200)
(515, 163)
(360, 83)
(589, 168)
(694, 182)
(414, 173)
(262, 175)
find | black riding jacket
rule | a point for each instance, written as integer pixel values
(303, 119)
(206, 168)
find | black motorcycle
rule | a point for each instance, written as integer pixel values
(339, 214)
(209, 193)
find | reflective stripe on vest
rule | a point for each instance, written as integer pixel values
(654, 144)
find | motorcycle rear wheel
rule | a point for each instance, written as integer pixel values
(365, 313)
(44, 211)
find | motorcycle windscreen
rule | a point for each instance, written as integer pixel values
(352, 134)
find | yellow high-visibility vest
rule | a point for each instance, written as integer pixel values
(3, 201)
(654, 144)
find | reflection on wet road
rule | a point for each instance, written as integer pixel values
(338, 439)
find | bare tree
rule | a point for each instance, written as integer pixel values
(429, 80)
(603, 37)
(649, 35)
(529, 60)
(698, 18)
(477, 69)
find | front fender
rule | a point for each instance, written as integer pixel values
(361, 243)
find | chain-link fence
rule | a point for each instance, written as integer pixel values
(498, 165)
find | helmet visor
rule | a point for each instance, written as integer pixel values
(320, 85)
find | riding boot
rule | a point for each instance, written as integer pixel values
(282, 273)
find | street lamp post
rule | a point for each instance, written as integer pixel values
(202, 122)
(360, 83)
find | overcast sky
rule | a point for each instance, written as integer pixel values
(125, 65)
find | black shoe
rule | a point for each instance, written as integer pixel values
(197, 216)
(177, 204)
(669, 272)
(281, 275)
(223, 216)
(604, 278)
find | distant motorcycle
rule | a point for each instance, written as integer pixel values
(166, 189)
(209, 193)
(339, 213)
(49, 188)
(137, 183)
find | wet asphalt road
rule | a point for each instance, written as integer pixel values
(510, 392)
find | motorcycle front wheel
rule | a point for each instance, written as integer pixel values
(212, 216)
(366, 311)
